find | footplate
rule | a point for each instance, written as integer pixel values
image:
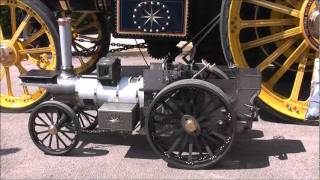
(39, 76)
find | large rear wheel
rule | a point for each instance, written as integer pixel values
(281, 38)
(28, 40)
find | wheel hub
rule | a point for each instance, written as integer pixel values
(53, 130)
(8, 55)
(190, 125)
(310, 23)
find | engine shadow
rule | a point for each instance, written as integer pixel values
(248, 151)
(139, 147)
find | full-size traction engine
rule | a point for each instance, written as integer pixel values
(190, 113)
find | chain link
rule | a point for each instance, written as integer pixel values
(124, 47)
(121, 47)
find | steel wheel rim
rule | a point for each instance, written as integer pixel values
(45, 59)
(196, 155)
(53, 129)
(292, 105)
(79, 26)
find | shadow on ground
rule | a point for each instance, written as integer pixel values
(8, 151)
(248, 151)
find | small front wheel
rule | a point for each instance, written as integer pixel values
(53, 128)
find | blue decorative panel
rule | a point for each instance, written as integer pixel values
(152, 18)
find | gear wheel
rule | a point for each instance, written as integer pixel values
(161, 49)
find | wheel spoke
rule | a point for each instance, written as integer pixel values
(275, 7)
(1, 33)
(183, 144)
(8, 78)
(51, 120)
(92, 39)
(86, 27)
(34, 36)
(299, 77)
(284, 68)
(207, 147)
(190, 150)
(165, 130)
(80, 19)
(61, 140)
(80, 46)
(42, 125)
(218, 135)
(50, 141)
(41, 132)
(175, 144)
(20, 29)
(42, 120)
(36, 50)
(172, 106)
(208, 137)
(13, 18)
(22, 70)
(277, 53)
(58, 147)
(66, 135)
(81, 120)
(42, 140)
(72, 132)
(293, 3)
(271, 38)
(196, 142)
(267, 23)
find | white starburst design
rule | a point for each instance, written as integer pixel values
(152, 17)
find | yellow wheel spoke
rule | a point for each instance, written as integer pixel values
(293, 3)
(276, 7)
(292, 58)
(8, 78)
(277, 53)
(1, 72)
(272, 38)
(13, 17)
(267, 23)
(86, 27)
(20, 29)
(35, 36)
(80, 19)
(35, 50)
(22, 70)
(299, 77)
(1, 34)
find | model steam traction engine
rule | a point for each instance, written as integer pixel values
(189, 112)
(280, 38)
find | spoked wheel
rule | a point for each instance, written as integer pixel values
(53, 128)
(28, 40)
(281, 38)
(90, 40)
(87, 118)
(190, 124)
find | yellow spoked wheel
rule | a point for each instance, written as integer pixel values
(281, 38)
(28, 40)
(91, 39)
